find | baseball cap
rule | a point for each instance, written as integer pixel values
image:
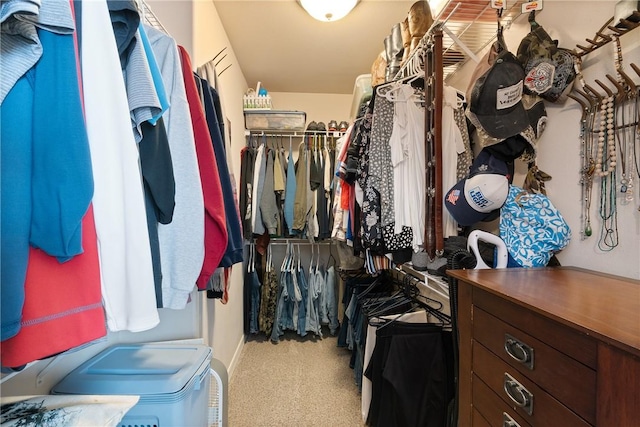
(549, 69)
(523, 145)
(483, 192)
(496, 98)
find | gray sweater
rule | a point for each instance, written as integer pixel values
(181, 241)
(268, 205)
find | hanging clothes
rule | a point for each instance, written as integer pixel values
(21, 47)
(370, 343)
(279, 186)
(411, 374)
(215, 229)
(254, 285)
(156, 75)
(125, 256)
(300, 281)
(301, 206)
(359, 158)
(269, 300)
(323, 194)
(257, 188)
(312, 322)
(47, 182)
(62, 301)
(290, 191)
(125, 19)
(247, 165)
(331, 300)
(233, 252)
(408, 159)
(268, 205)
(159, 190)
(181, 241)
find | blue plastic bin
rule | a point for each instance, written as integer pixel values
(172, 382)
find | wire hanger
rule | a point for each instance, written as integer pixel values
(251, 267)
(330, 258)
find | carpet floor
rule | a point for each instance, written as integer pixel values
(301, 382)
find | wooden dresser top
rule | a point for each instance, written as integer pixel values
(604, 306)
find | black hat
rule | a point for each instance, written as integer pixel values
(495, 103)
(524, 144)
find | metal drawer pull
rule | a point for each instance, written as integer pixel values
(518, 393)
(518, 350)
(507, 421)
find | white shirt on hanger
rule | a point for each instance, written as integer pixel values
(123, 241)
(408, 159)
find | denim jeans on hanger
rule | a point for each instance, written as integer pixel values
(302, 305)
(255, 301)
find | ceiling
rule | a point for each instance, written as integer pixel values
(278, 44)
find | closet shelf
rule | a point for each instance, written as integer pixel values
(467, 28)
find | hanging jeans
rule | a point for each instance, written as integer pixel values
(302, 305)
(278, 328)
(255, 302)
(268, 302)
(329, 302)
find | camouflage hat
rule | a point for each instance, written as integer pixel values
(549, 69)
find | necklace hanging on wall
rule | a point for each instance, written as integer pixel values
(633, 154)
(588, 169)
(606, 140)
(587, 136)
(608, 239)
(625, 136)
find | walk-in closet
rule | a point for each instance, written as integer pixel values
(320, 213)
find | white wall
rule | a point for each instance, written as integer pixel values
(559, 148)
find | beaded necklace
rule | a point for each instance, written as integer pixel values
(606, 134)
(588, 169)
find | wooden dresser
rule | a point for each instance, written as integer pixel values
(556, 347)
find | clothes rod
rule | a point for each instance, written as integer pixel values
(298, 134)
(279, 242)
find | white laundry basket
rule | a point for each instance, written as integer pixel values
(218, 393)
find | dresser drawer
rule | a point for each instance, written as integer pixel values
(478, 420)
(564, 339)
(533, 404)
(493, 410)
(566, 379)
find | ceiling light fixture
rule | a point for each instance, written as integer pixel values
(328, 10)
